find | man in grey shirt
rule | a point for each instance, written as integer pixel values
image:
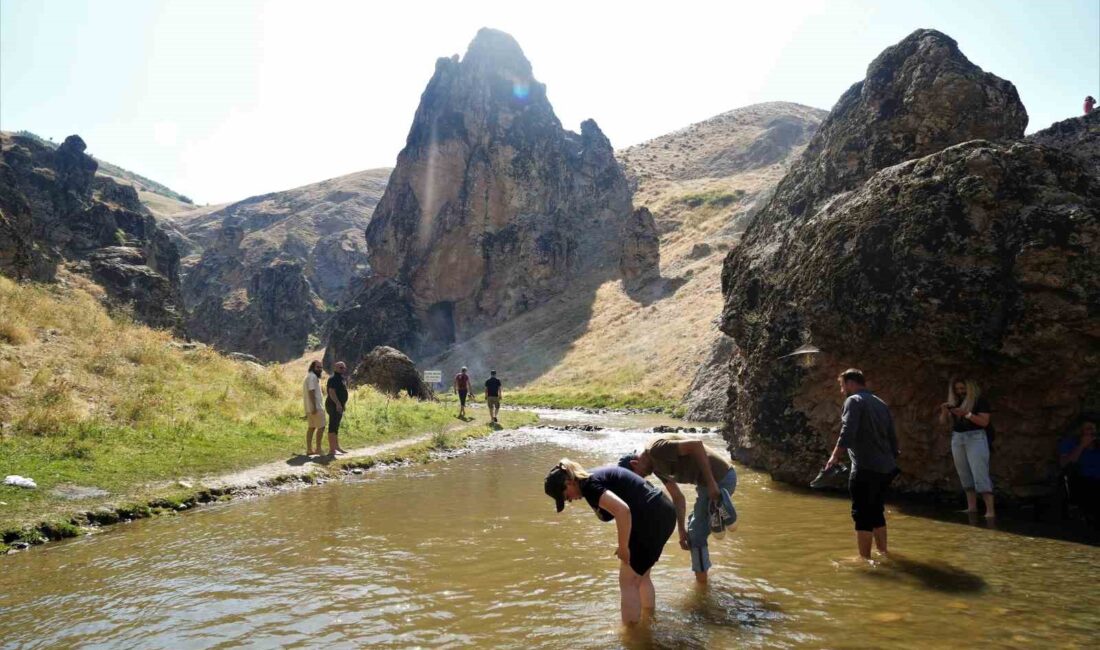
(867, 434)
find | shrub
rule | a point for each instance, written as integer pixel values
(711, 198)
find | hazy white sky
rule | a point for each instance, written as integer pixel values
(221, 100)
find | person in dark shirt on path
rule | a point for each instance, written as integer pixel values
(970, 417)
(493, 394)
(643, 516)
(335, 404)
(867, 435)
(462, 387)
(1079, 457)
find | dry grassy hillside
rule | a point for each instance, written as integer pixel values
(700, 182)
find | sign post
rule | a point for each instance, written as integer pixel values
(433, 377)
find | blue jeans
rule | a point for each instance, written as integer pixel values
(970, 449)
(698, 524)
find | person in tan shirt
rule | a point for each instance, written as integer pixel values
(679, 459)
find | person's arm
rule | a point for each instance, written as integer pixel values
(680, 502)
(611, 502)
(696, 450)
(849, 424)
(335, 400)
(311, 387)
(1074, 454)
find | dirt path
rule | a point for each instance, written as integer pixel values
(302, 465)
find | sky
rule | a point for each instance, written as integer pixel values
(223, 100)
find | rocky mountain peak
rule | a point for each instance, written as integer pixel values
(492, 209)
(919, 96)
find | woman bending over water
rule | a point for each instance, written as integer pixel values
(643, 515)
(969, 413)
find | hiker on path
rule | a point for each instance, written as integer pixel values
(335, 404)
(462, 387)
(493, 393)
(867, 434)
(1090, 101)
(678, 459)
(643, 515)
(969, 413)
(313, 402)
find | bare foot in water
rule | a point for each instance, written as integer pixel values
(990, 515)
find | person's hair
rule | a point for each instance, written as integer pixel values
(492, 372)
(310, 368)
(463, 368)
(853, 374)
(574, 470)
(973, 392)
(1090, 97)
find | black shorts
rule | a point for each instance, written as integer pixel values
(462, 397)
(868, 490)
(649, 533)
(334, 417)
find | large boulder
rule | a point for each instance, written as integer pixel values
(492, 209)
(975, 259)
(705, 400)
(1079, 136)
(54, 210)
(640, 260)
(392, 373)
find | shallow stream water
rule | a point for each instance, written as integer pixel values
(469, 552)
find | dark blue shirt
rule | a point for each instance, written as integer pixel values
(867, 432)
(1088, 463)
(628, 486)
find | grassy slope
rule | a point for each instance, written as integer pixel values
(93, 400)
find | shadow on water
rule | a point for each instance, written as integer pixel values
(1015, 521)
(701, 612)
(935, 575)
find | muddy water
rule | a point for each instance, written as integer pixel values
(470, 552)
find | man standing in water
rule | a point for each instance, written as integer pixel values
(312, 400)
(492, 395)
(462, 387)
(335, 404)
(867, 434)
(679, 459)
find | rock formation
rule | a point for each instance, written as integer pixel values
(392, 373)
(1079, 136)
(917, 238)
(493, 208)
(705, 400)
(640, 259)
(270, 266)
(55, 210)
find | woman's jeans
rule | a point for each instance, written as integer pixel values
(698, 523)
(970, 450)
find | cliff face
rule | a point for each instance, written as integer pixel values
(269, 266)
(55, 210)
(493, 208)
(974, 256)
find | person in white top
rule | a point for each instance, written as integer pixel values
(313, 400)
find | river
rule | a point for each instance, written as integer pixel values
(469, 552)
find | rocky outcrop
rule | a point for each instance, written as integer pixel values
(705, 400)
(55, 210)
(1079, 136)
(493, 208)
(392, 373)
(270, 266)
(640, 261)
(905, 244)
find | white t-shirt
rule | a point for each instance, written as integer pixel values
(311, 390)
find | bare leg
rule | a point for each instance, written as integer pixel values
(648, 593)
(701, 577)
(309, 441)
(332, 444)
(863, 541)
(988, 497)
(319, 432)
(630, 599)
(971, 501)
(880, 540)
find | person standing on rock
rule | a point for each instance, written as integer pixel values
(678, 459)
(970, 417)
(493, 393)
(867, 435)
(335, 403)
(462, 387)
(313, 402)
(1090, 101)
(643, 516)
